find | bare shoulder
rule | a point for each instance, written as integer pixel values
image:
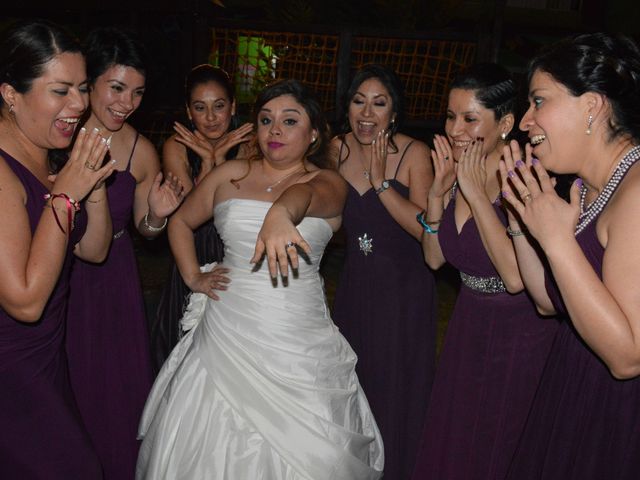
(10, 185)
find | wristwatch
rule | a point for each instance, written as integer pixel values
(384, 186)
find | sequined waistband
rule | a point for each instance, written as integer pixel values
(483, 284)
(117, 235)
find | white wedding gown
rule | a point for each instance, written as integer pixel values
(262, 386)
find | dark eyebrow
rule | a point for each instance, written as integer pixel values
(375, 96)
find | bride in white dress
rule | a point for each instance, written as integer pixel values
(263, 385)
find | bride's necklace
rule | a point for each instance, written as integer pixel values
(273, 185)
(595, 208)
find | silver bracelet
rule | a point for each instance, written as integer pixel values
(514, 233)
(151, 228)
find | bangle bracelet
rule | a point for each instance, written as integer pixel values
(514, 233)
(151, 228)
(426, 225)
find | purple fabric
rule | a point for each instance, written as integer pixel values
(107, 342)
(385, 307)
(584, 424)
(42, 434)
(493, 355)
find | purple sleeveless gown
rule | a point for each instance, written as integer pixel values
(584, 424)
(42, 434)
(107, 341)
(385, 307)
(493, 355)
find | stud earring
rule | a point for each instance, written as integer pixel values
(589, 123)
(503, 136)
(313, 139)
(11, 108)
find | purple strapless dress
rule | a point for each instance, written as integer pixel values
(385, 307)
(42, 434)
(494, 352)
(584, 424)
(108, 341)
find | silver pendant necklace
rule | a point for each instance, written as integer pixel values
(588, 214)
(272, 186)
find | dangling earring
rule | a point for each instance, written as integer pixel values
(503, 136)
(392, 123)
(589, 123)
(11, 108)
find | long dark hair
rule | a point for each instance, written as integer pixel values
(393, 85)
(108, 46)
(600, 63)
(24, 51)
(27, 47)
(317, 153)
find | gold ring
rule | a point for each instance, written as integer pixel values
(526, 197)
(89, 166)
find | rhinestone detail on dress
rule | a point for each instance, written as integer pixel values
(483, 284)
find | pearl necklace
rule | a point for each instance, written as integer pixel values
(588, 214)
(272, 186)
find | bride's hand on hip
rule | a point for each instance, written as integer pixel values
(209, 282)
(280, 241)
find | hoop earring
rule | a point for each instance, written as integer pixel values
(589, 123)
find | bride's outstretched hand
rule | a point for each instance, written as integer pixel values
(281, 242)
(529, 189)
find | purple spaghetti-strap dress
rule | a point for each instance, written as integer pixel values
(385, 307)
(584, 424)
(493, 355)
(42, 434)
(107, 340)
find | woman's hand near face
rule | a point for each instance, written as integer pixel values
(378, 162)
(444, 167)
(549, 218)
(472, 174)
(84, 170)
(212, 155)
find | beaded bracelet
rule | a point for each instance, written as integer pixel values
(151, 228)
(73, 206)
(514, 233)
(427, 225)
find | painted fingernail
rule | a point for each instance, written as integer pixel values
(83, 129)
(535, 161)
(511, 173)
(504, 194)
(96, 129)
(519, 163)
(579, 182)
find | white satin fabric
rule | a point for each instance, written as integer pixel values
(262, 387)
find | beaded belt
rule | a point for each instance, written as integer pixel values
(117, 235)
(483, 284)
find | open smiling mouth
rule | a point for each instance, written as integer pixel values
(537, 140)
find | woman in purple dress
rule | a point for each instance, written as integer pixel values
(496, 343)
(190, 155)
(107, 339)
(385, 300)
(583, 119)
(44, 93)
